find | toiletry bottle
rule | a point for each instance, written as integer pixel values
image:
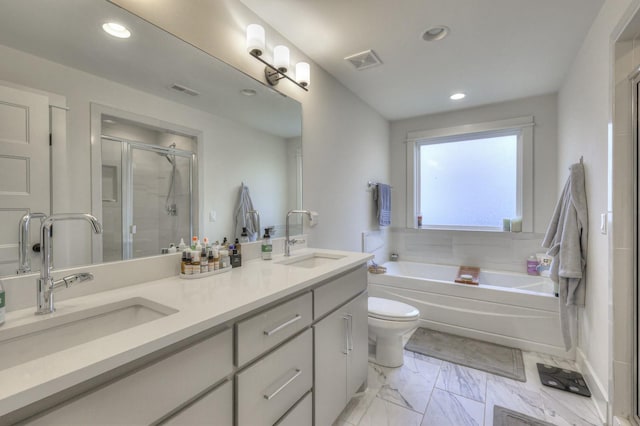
(3, 309)
(204, 261)
(225, 243)
(244, 237)
(237, 245)
(236, 259)
(267, 248)
(182, 245)
(210, 261)
(225, 260)
(216, 259)
(188, 266)
(172, 248)
(532, 265)
(183, 263)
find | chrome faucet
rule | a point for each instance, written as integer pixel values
(288, 241)
(24, 261)
(45, 284)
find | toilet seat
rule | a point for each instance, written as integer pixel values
(391, 310)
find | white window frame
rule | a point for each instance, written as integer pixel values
(523, 126)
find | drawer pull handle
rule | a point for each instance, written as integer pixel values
(345, 320)
(283, 325)
(350, 335)
(284, 385)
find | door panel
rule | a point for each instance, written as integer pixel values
(24, 167)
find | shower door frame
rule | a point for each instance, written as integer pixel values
(126, 183)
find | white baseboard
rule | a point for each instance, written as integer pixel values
(598, 392)
(619, 421)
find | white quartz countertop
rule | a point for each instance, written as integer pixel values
(201, 304)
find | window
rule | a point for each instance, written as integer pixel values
(471, 177)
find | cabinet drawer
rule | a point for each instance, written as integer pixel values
(333, 294)
(215, 408)
(150, 393)
(300, 415)
(266, 329)
(267, 389)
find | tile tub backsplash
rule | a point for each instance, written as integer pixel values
(491, 250)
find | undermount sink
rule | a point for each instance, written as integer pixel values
(311, 260)
(41, 338)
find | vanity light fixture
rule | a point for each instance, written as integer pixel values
(457, 96)
(116, 30)
(281, 62)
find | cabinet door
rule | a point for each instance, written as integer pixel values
(330, 394)
(358, 344)
(215, 408)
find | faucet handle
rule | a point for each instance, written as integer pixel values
(70, 279)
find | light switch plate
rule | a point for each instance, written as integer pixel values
(213, 216)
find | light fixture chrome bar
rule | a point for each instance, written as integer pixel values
(272, 72)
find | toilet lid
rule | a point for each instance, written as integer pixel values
(391, 310)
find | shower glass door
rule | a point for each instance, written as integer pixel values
(160, 200)
(147, 198)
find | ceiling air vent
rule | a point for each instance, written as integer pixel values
(364, 60)
(183, 89)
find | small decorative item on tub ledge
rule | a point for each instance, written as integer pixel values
(374, 268)
(468, 275)
(205, 274)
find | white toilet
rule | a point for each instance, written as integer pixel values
(389, 321)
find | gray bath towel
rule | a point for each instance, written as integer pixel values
(566, 241)
(383, 195)
(242, 221)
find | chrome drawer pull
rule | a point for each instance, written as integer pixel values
(283, 325)
(350, 335)
(346, 334)
(284, 385)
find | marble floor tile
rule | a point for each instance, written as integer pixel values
(410, 386)
(565, 409)
(448, 409)
(359, 404)
(409, 356)
(464, 381)
(385, 413)
(513, 395)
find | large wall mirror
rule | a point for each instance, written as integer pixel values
(148, 133)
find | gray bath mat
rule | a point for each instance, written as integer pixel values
(505, 417)
(496, 359)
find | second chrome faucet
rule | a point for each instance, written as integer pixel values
(45, 284)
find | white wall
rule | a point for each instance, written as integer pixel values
(229, 152)
(585, 112)
(493, 250)
(345, 142)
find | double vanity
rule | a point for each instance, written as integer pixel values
(272, 342)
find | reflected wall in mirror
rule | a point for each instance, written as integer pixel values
(62, 74)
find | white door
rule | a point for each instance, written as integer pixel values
(24, 167)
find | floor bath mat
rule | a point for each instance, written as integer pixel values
(485, 356)
(566, 380)
(505, 417)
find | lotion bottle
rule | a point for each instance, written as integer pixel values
(267, 247)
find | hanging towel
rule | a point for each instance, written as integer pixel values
(383, 195)
(566, 241)
(241, 220)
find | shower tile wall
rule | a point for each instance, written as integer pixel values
(491, 250)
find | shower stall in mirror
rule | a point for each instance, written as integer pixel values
(147, 196)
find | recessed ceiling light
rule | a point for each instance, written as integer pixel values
(116, 30)
(435, 33)
(457, 96)
(248, 92)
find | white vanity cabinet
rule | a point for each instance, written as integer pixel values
(341, 350)
(154, 391)
(215, 408)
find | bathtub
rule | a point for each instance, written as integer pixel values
(507, 308)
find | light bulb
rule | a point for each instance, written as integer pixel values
(255, 39)
(281, 58)
(303, 73)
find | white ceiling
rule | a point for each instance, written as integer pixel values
(497, 49)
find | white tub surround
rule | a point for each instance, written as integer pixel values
(204, 304)
(507, 308)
